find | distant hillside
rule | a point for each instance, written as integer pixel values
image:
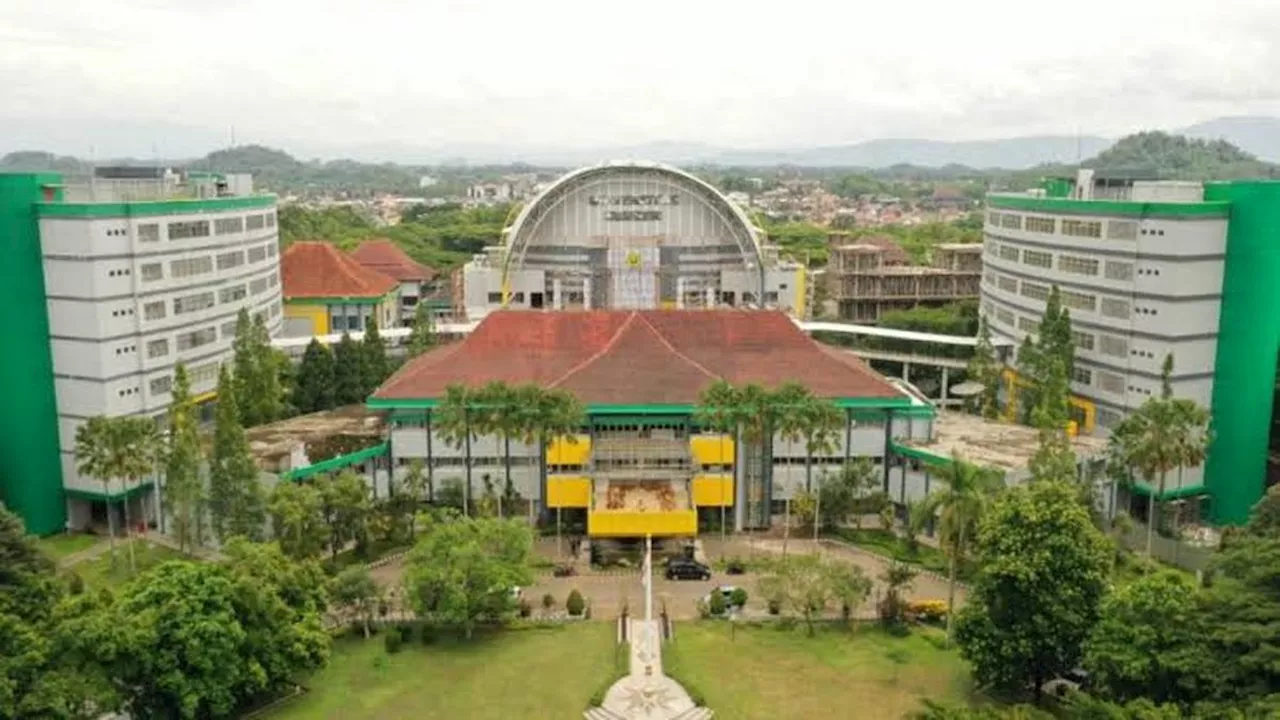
(1009, 153)
(1175, 157)
(1257, 135)
(35, 161)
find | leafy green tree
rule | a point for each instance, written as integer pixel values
(498, 411)
(128, 448)
(959, 507)
(347, 508)
(461, 572)
(1044, 568)
(265, 399)
(355, 588)
(297, 519)
(183, 486)
(422, 336)
(236, 500)
(348, 372)
(315, 385)
(374, 350)
(1264, 520)
(1146, 642)
(1054, 459)
(416, 487)
(985, 370)
(300, 583)
(849, 588)
(234, 639)
(898, 578)
(716, 412)
(806, 585)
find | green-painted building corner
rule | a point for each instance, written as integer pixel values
(31, 470)
(1248, 341)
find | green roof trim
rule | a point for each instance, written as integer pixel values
(337, 463)
(920, 454)
(94, 496)
(154, 207)
(903, 404)
(1062, 206)
(339, 300)
(1171, 494)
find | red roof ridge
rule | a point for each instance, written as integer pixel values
(662, 338)
(598, 354)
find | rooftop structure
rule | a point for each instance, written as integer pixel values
(1149, 270)
(326, 290)
(1002, 446)
(288, 444)
(867, 280)
(418, 283)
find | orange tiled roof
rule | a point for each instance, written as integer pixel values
(649, 357)
(318, 269)
(387, 258)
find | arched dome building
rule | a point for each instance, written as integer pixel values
(636, 236)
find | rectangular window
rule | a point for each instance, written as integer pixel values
(495, 298)
(197, 338)
(149, 233)
(192, 303)
(1122, 230)
(151, 272)
(188, 229)
(203, 374)
(161, 385)
(273, 280)
(1082, 228)
(257, 254)
(257, 287)
(153, 310)
(1116, 308)
(1113, 346)
(1083, 340)
(988, 278)
(1035, 291)
(1110, 382)
(1009, 252)
(227, 226)
(1077, 265)
(254, 222)
(1028, 325)
(158, 348)
(1008, 284)
(993, 218)
(1037, 258)
(271, 219)
(1004, 317)
(275, 311)
(1082, 375)
(271, 249)
(1041, 224)
(1080, 301)
(231, 294)
(228, 329)
(1117, 270)
(189, 267)
(1009, 220)
(229, 260)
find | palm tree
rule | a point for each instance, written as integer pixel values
(716, 411)
(822, 422)
(455, 422)
(415, 482)
(501, 413)
(96, 457)
(127, 448)
(757, 413)
(792, 401)
(959, 507)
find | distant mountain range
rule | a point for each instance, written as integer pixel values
(1259, 136)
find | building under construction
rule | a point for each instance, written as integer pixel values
(868, 279)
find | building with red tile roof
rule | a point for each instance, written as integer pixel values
(327, 291)
(642, 465)
(417, 281)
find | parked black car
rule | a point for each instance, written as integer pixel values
(679, 568)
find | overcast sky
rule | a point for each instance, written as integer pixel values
(590, 72)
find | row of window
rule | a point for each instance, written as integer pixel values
(199, 338)
(1113, 345)
(1088, 302)
(195, 302)
(187, 229)
(1115, 229)
(204, 264)
(1067, 263)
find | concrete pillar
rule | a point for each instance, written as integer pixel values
(944, 386)
(679, 293)
(711, 297)
(906, 371)
(555, 290)
(586, 293)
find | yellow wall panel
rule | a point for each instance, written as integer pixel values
(565, 451)
(711, 449)
(712, 490)
(611, 523)
(317, 314)
(573, 491)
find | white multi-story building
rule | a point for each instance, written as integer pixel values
(139, 273)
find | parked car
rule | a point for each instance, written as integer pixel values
(680, 568)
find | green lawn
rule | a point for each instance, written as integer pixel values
(891, 545)
(526, 673)
(99, 572)
(774, 673)
(60, 546)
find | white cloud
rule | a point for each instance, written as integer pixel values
(574, 73)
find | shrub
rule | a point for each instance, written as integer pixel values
(704, 610)
(524, 608)
(775, 606)
(548, 601)
(392, 641)
(716, 604)
(738, 598)
(383, 608)
(564, 570)
(75, 583)
(930, 611)
(736, 567)
(586, 614)
(576, 605)
(405, 630)
(427, 634)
